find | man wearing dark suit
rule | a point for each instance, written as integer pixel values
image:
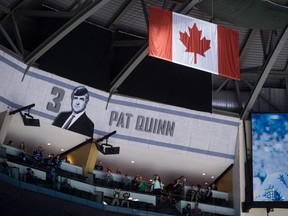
(76, 120)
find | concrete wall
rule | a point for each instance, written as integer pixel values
(5, 120)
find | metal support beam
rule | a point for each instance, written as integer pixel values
(123, 11)
(239, 99)
(9, 12)
(128, 43)
(267, 67)
(251, 70)
(247, 45)
(63, 31)
(77, 5)
(188, 5)
(4, 9)
(264, 46)
(127, 70)
(9, 39)
(165, 4)
(48, 14)
(17, 35)
(145, 14)
(222, 85)
(262, 96)
(21, 4)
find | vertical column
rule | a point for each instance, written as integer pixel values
(85, 157)
(5, 120)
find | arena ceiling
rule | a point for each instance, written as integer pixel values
(262, 27)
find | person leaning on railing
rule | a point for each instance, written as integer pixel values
(156, 188)
(37, 154)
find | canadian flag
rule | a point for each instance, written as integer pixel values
(194, 43)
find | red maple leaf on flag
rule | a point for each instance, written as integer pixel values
(194, 43)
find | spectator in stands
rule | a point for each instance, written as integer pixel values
(149, 184)
(125, 200)
(118, 171)
(126, 182)
(52, 170)
(10, 143)
(196, 211)
(47, 162)
(214, 186)
(108, 178)
(99, 165)
(37, 154)
(116, 197)
(185, 182)
(57, 161)
(195, 193)
(187, 210)
(208, 194)
(22, 155)
(30, 176)
(142, 185)
(156, 188)
(135, 183)
(22, 146)
(5, 167)
(178, 188)
(202, 191)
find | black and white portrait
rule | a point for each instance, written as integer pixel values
(76, 120)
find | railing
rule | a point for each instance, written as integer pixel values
(87, 188)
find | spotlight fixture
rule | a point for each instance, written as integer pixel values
(108, 149)
(105, 148)
(27, 118)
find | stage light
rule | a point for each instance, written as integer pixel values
(105, 148)
(28, 119)
(108, 149)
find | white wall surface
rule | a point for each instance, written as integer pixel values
(194, 133)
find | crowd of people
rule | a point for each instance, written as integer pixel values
(153, 185)
(195, 193)
(50, 163)
(174, 193)
(189, 211)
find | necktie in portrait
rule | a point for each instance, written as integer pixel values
(66, 126)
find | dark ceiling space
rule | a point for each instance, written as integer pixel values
(265, 15)
(103, 44)
(94, 57)
(168, 83)
(87, 61)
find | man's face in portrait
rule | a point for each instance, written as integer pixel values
(79, 103)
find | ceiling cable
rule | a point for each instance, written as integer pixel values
(276, 4)
(212, 11)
